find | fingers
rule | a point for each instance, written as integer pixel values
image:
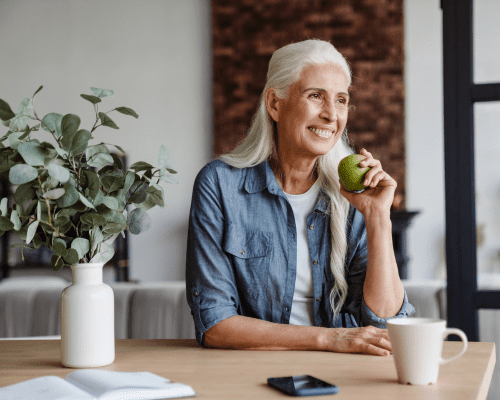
(365, 340)
(376, 173)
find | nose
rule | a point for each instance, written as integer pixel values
(328, 112)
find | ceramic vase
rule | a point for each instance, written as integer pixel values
(87, 319)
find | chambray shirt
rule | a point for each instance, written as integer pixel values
(242, 253)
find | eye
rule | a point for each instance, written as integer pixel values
(316, 96)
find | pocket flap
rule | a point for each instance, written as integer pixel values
(244, 243)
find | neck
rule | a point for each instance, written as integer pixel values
(295, 177)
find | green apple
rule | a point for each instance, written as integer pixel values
(351, 174)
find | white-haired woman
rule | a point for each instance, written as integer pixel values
(280, 255)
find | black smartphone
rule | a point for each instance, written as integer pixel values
(302, 385)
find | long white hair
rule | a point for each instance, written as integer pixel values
(285, 68)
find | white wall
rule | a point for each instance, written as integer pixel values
(156, 56)
(424, 138)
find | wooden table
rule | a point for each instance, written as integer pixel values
(231, 374)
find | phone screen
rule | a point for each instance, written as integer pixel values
(302, 385)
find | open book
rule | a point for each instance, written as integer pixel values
(97, 385)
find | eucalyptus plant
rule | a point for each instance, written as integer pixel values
(73, 196)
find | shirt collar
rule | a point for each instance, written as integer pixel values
(261, 177)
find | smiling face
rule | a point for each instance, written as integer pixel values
(312, 118)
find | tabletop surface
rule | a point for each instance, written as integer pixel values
(234, 374)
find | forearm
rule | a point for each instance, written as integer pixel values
(245, 333)
(382, 291)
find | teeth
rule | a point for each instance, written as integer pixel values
(322, 133)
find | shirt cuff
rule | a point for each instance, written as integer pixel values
(211, 317)
(368, 317)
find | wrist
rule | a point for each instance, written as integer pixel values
(377, 219)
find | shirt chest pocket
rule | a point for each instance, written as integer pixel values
(250, 252)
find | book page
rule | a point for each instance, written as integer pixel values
(44, 388)
(127, 385)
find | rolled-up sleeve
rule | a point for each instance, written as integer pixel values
(210, 282)
(368, 317)
(355, 304)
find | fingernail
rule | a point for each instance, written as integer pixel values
(365, 182)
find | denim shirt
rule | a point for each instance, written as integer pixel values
(242, 253)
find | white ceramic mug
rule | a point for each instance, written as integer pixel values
(417, 344)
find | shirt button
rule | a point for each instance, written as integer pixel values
(287, 309)
(318, 299)
(311, 226)
(315, 262)
(195, 294)
(242, 252)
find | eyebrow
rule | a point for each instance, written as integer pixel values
(324, 91)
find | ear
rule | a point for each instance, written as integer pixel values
(273, 104)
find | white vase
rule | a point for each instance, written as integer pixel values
(87, 319)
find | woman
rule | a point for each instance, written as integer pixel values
(280, 255)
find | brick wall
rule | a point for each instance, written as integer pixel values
(369, 33)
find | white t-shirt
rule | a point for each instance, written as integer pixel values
(303, 296)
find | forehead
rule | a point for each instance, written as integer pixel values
(330, 77)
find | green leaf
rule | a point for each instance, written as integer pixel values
(119, 219)
(105, 254)
(92, 99)
(32, 153)
(98, 156)
(69, 126)
(85, 201)
(166, 176)
(71, 256)
(54, 194)
(60, 220)
(171, 171)
(92, 183)
(24, 193)
(22, 173)
(57, 172)
(102, 92)
(57, 263)
(110, 202)
(117, 161)
(92, 219)
(118, 147)
(147, 204)
(106, 121)
(6, 112)
(163, 156)
(80, 142)
(5, 224)
(138, 192)
(138, 221)
(25, 106)
(59, 247)
(156, 195)
(129, 180)
(141, 166)
(4, 205)
(31, 231)
(127, 111)
(81, 245)
(14, 140)
(40, 88)
(19, 123)
(37, 241)
(112, 183)
(96, 237)
(52, 123)
(14, 218)
(70, 197)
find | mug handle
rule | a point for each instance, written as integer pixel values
(446, 333)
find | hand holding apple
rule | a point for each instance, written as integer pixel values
(366, 174)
